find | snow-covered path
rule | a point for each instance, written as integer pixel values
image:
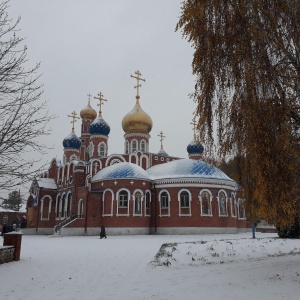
(119, 268)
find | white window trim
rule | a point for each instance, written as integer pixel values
(131, 145)
(80, 212)
(190, 204)
(128, 206)
(145, 208)
(42, 207)
(169, 204)
(99, 152)
(226, 206)
(133, 201)
(210, 204)
(112, 203)
(233, 205)
(244, 213)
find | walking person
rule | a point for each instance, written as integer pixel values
(102, 232)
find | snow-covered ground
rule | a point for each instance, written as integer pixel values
(154, 267)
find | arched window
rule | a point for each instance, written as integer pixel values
(62, 207)
(123, 199)
(164, 200)
(91, 149)
(126, 147)
(241, 209)
(45, 207)
(69, 205)
(133, 146)
(137, 203)
(101, 150)
(80, 209)
(233, 205)
(143, 146)
(73, 157)
(57, 207)
(184, 199)
(147, 204)
(222, 199)
(205, 202)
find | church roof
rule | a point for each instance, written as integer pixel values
(187, 168)
(123, 170)
(47, 183)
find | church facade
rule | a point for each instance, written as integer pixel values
(135, 192)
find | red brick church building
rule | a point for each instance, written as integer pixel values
(135, 192)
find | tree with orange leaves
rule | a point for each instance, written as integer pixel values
(247, 67)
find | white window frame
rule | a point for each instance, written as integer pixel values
(118, 202)
(185, 207)
(209, 202)
(219, 203)
(169, 204)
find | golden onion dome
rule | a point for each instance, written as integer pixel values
(137, 120)
(88, 112)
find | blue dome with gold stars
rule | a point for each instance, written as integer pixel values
(99, 126)
(195, 147)
(72, 141)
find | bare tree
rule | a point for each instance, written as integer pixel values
(23, 113)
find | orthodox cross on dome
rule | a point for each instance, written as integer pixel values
(138, 85)
(90, 96)
(101, 102)
(74, 117)
(194, 123)
(162, 137)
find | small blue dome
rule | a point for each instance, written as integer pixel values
(72, 141)
(99, 126)
(162, 152)
(195, 147)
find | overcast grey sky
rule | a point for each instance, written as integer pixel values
(87, 46)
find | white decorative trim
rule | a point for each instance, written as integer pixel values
(226, 200)
(133, 201)
(145, 202)
(179, 203)
(114, 156)
(128, 201)
(159, 200)
(42, 207)
(94, 136)
(201, 183)
(135, 134)
(210, 204)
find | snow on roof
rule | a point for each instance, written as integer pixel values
(121, 171)
(47, 183)
(2, 209)
(187, 168)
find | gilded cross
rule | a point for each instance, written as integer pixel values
(101, 102)
(90, 96)
(138, 85)
(74, 117)
(162, 136)
(194, 123)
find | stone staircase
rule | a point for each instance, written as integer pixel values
(64, 222)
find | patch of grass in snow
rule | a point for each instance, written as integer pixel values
(163, 253)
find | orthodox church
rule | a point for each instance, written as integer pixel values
(134, 192)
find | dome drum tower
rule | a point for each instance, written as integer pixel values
(137, 125)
